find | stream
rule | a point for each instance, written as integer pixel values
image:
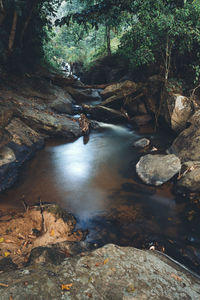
(95, 180)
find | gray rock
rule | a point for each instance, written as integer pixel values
(49, 122)
(157, 169)
(190, 176)
(7, 168)
(177, 110)
(22, 135)
(81, 95)
(23, 143)
(142, 143)
(186, 146)
(62, 106)
(111, 272)
(7, 156)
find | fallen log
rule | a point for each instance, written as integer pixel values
(104, 114)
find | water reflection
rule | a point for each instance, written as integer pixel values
(97, 182)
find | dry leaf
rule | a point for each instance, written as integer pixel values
(9, 242)
(6, 254)
(1, 240)
(20, 236)
(106, 261)
(89, 295)
(130, 288)
(176, 277)
(3, 284)
(97, 264)
(66, 287)
(52, 233)
(11, 297)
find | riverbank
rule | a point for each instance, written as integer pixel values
(38, 114)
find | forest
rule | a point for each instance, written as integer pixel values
(99, 149)
(163, 35)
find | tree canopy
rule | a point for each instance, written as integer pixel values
(165, 33)
(23, 29)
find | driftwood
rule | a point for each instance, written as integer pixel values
(84, 124)
(97, 86)
(104, 114)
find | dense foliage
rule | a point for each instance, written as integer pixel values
(23, 29)
(164, 33)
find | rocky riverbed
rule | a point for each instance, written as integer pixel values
(40, 106)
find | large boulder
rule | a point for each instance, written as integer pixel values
(48, 122)
(104, 114)
(122, 89)
(186, 146)
(23, 143)
(177, 110)
(22, 135)
(111, 272)
(190, 177)
(62, 105)
(83, 95)
(157, 169)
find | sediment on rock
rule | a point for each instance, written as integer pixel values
(111, 272)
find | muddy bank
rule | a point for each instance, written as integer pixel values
(39, 226)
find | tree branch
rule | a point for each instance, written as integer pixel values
(12, 32)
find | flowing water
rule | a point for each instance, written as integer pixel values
(95, 180)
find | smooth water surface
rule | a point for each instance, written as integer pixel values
(96, 182)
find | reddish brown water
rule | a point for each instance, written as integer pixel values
(97, 183)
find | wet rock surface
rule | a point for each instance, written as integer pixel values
(27, 116)
(157, 169)
(63, 105)
(190, 177)
(110, 272)
(7, 156)
(81, 95)
(142, 143)
(177, 110)
(50, 123)
(186, 145)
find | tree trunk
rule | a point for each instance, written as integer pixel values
(12, 32)
(27, 21)
(108, 47)
(2, 12)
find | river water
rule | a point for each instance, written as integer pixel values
(95, 180)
